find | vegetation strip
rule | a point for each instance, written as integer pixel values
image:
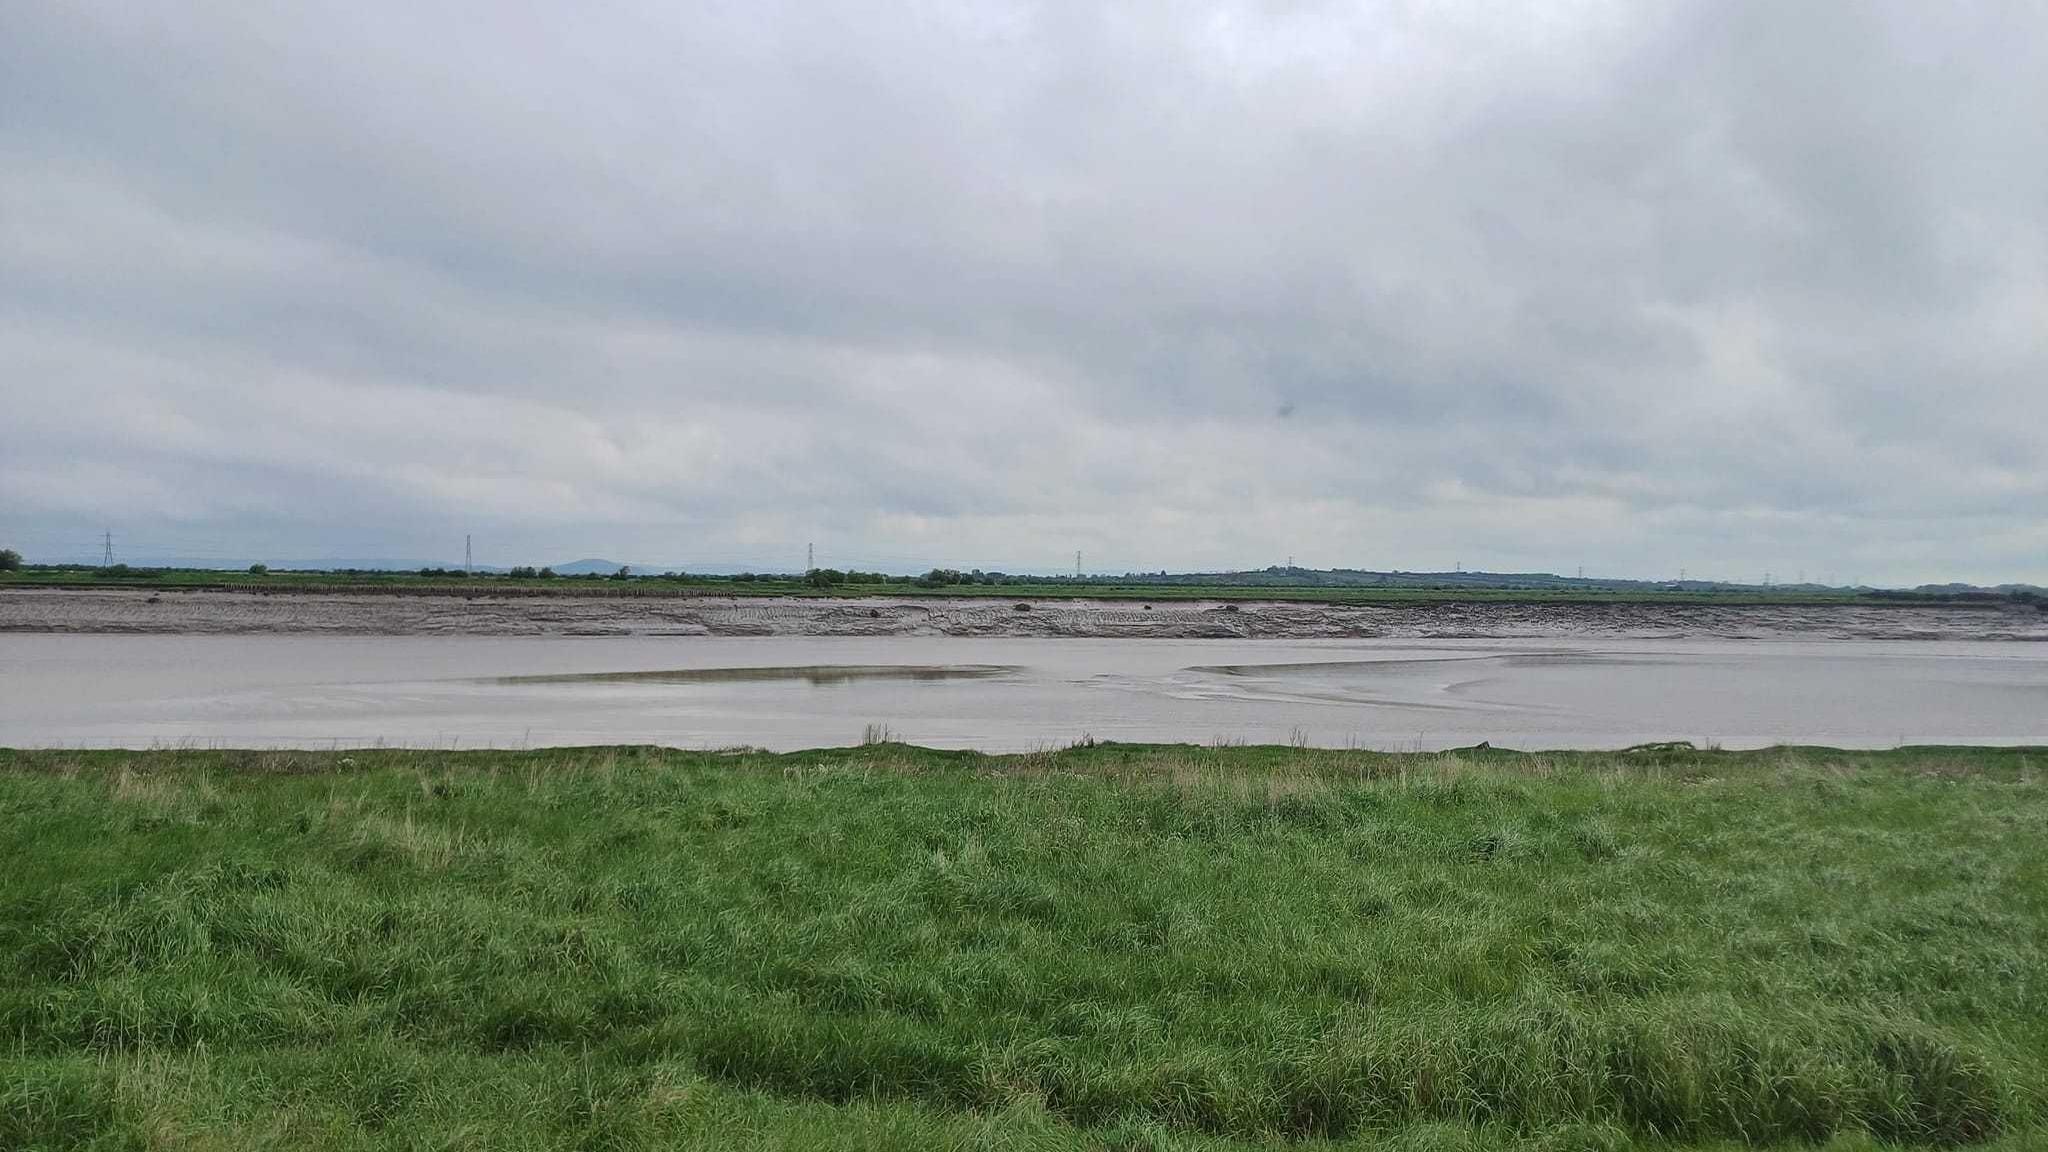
(1277, 585)
(1107, 946)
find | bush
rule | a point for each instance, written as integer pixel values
(523, 572)
(10, 560)
(258, 569)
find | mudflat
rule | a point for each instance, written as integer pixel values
(209, 611)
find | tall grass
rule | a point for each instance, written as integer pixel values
(1104, 946)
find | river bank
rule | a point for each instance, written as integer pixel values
(216, 612)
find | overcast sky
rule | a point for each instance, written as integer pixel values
(1635, 286)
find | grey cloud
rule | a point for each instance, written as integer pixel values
(1744, 285)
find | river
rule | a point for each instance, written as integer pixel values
(1009, 694)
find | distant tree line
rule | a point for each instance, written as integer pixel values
(936, 578)
(1274, 577)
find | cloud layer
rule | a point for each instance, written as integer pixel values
(1733, 287)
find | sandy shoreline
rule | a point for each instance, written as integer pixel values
(233, 612)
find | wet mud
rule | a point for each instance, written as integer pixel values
(212, 612)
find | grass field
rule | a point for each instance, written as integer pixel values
(1106, 947)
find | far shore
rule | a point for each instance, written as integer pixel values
(172, 610)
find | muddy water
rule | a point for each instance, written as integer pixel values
(797, 692)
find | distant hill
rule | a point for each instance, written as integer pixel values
(1967, 589)
(595, 567)
(1284, 577)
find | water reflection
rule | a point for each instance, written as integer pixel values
(810, 673)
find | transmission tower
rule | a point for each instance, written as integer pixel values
(810, 557)
(107, 554)
(468, 567)
(1077, 564)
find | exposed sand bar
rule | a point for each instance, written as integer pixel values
(384, 614)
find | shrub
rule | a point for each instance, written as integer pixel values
(258, 569)
(10, 560)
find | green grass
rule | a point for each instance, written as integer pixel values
(1106, 947)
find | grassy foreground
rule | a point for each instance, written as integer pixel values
(1106, 947)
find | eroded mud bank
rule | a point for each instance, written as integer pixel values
(219, 612)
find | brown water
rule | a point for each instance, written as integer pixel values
(1006, 694)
